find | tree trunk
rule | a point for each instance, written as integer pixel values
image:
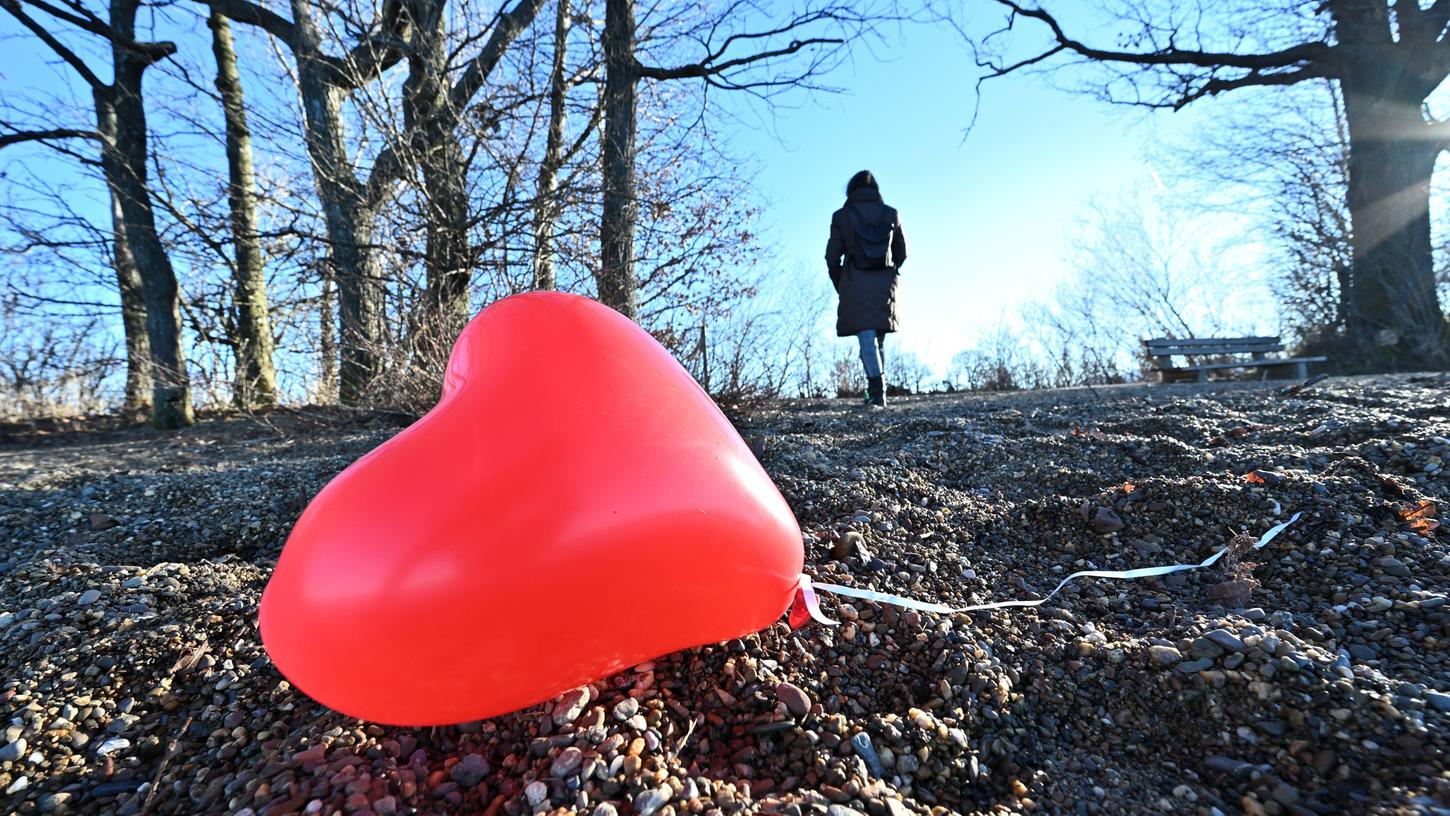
(124, 162)
(133, 306)
(327, 332)
(1395, 320)
(344, 207)
(546, 207)
(445, 195)
(617, 286)
(255, 385)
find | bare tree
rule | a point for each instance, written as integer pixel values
(122, 133)
(1386, 59)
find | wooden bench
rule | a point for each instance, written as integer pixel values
(1163, 350)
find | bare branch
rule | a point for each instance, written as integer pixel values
(709, 69)
(1282, 67)
(86, 21)
(508, 27)
(244, 11)
(55, 45)
(7, 139)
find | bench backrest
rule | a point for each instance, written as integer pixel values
(1167, 346)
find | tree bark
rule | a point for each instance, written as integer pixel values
(348, 217)
(137, 399)
(617, 286)
(327, 332)
(427, 111)
(124, 162)
(255, 384)
(546, 206)
(1395, 320)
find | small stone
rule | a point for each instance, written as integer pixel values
(113, 745)
(1228, 765)
(797, 702)
(133, 582)
(567, 762)
(1206, 647)
(626, 708)
(570, 705)
(842, 810)
(1195, 665)
(537, 792)
(1106, 521)
(652, 800)
(1439, 700)
(470, 771)
(1394, 567)
(852, 544)
(861, 744)
(20, 784)
(604, 809)
(101, 521)
(1226, 640)
(53, 801)
(16, 750)
(88, 597)
(386, 806)
(1164, 655)
(1359, 651)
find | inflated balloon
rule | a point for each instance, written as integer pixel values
(574, 505)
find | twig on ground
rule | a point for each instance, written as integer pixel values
(1291, 390)
(171, 748)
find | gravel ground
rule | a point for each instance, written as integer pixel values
(1308, 677)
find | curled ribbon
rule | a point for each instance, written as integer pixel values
(806, 595)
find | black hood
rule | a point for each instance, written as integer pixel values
(863, 195)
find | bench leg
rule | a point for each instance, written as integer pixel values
(1201, 375)
(1301, 371)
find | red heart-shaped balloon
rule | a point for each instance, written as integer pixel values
(574, 505)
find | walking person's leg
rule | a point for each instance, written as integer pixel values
(871, 360)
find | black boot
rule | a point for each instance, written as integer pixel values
(876, 392)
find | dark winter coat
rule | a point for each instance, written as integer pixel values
(868, 296)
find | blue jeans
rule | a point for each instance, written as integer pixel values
(873, 351)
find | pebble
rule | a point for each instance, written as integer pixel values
(797, 702)
(113, 745)
(536, 792)
(1164, 655)
(652, 800)
(567, 762)
(1226, 640)
(626, 708)
(13, 750)
(570, 705)
(470, 770)
(88, 597)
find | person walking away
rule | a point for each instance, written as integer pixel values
(864, 257)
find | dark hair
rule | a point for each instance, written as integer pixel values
(862, 179)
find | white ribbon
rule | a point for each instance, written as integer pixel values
(813, 605)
